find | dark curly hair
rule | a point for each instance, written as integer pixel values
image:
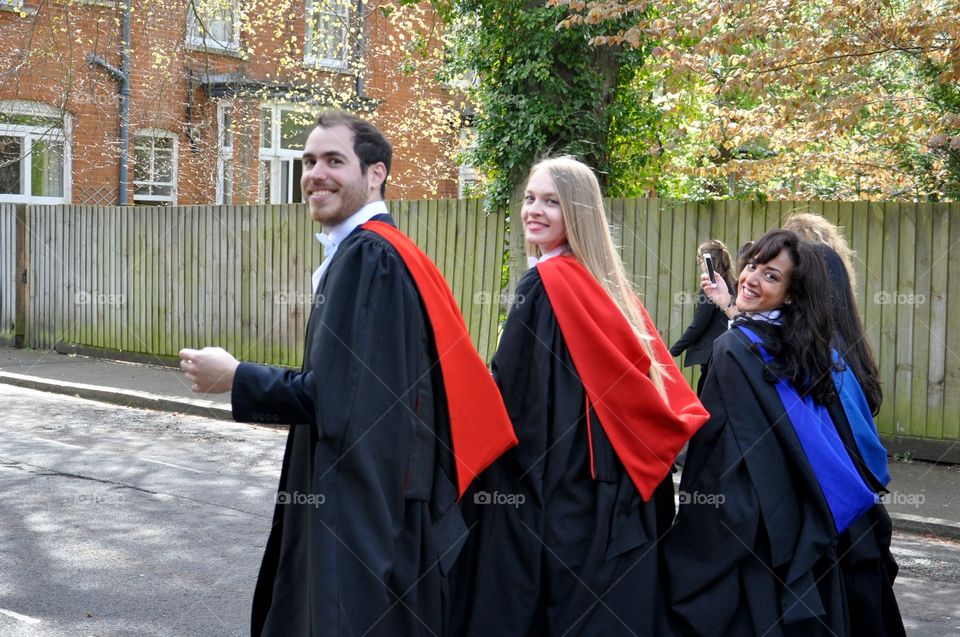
(801, 346)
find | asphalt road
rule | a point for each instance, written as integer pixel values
(123, 522)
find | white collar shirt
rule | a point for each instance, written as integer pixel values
(341, 231)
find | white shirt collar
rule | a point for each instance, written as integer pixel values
(340, 232)
(343, 229)
(556, 252)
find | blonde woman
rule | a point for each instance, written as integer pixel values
(816, 229)
(565, 526)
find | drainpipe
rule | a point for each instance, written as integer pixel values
(122, 76)
(361, 31)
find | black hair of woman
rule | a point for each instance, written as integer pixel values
(801, 349)
(852, 342)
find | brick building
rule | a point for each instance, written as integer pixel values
(220, 93)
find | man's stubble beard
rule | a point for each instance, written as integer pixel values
(352, 198)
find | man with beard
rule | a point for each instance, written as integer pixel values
(392, 416)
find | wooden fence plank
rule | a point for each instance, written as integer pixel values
(468, 260)
(951, 401)
(8, 266)
(628, 238)
(681, 284)
(450, 257)
(258, 323)
(889, 223)
(652, 257)
(939, 268)
(902, 298)
(918, 351)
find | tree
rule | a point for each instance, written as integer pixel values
(538, 90)
(802, 98)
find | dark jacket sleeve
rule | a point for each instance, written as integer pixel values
(697, 328)
(272, 395)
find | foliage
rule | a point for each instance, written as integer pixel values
(538, 90)
(792, 98)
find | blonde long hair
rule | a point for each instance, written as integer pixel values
(815, 228)
(588, 235)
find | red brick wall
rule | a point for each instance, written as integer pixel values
(43, 58)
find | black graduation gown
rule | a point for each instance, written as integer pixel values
(366, 524)
(709, 322)
(553, 551)
(753, 550)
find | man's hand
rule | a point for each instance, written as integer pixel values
(210, 369)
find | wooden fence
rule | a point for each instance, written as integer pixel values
(8, 291)
(909, 288)
(153, 280)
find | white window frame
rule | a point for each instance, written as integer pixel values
(276, 158)
(157, 133)
(339, 10)
(205, 39)
(30, 134)
(225, 171)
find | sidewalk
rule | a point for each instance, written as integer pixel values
(127, 384)
(924, 497)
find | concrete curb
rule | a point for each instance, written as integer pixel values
(126, 398)
(922, 525)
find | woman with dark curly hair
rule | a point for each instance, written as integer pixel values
(775, 494)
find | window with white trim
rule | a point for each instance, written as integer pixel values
(281, 153)
(34, 153)
(214, 24)
(328, 33)
(225, 153)
(155, 167)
